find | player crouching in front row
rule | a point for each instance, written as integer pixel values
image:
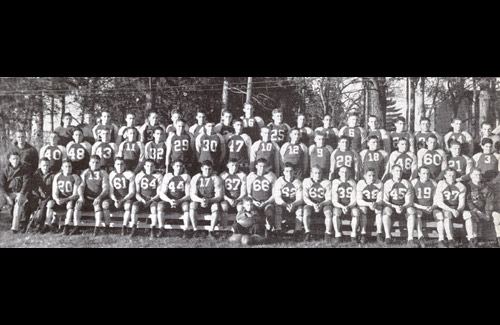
(247, 226)
(344, 204)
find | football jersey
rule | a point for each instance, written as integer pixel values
(66, 184)
(316, 192)
(461, 164)
(251, 126)
(238, 148)
(279, 133)
(331, 136)
(175, 186)
(451, 193)
(383, 139)
(147, 185)
(65, 135)
(181, 148)
(56, 155)
(295, 154)
(206, 187)
(234, 184)
(121, 137)
(268, 151)
(306, 136)
(424, 192)
(356, 135)
(421, 140)
(373, 159)
(147, 131)
(121, 183)
(99, 127)
(396, 136)
(397, 193)
(432, 159)
(340, 159)
(320, 156)
(79, 155)
(260, 188)
(209, 147)
(131, 152)
(107, 153)
(486, 162)
(223, 129)
(460, 138)
(196, 130)
(369, 192)
(95, 181)
(479, 197)
(344, 191)
(405, 160)
(287, 192)
(156, 152)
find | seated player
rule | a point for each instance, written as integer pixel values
(317, 203)
(92, 191)
(199, 127)
(65, 187)
(251, 124)
(225, 127)
(374, 129)
(354, 132)
(450, 199)
(460, 163)
(296, 153)
(400, 124)
(266, 149)
(260, 188)
(235, 189)
(370, 203)
(106, 150)
(247, 223)
(239, 146)
(174, 195)
(105, 124)
(41, 194)
(424, 133)
(463, 137)
(398, 200)
(402, 158)
(14, 181)
(54, 152)
(488, 161)
(147, 130)
(343, 156)
(122, 132)
(175, 116)
(279, 130)
(432, 158)
(78, 152)
(288, 197)
(320, 155)
(65, 132)
(131, 150)
(479, 205)
(206, 195)
(181, 146)
(156, 151)
(306, 133)
(424, 188)
(329, 132)
(121, 191)
(212, 147)
(344, 204)
(373, 158)
(147, 184)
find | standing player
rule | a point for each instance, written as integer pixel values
(180, 146)
(486, 132)
(288, 196)
(239, 146)
(121, 191)
(403, 158)
(384, 141)
(317, 202)
(296, 153)
(174, 195)
(306, 133)
(251, 124)
(260, 188)
(65, 131)
(54, 152)
(78, 152)
(156, 150)
(175, 116)
(224, 128)
(320, 154)
(131, 150)
(400, 124)
(343, 156)
(266, 149)
(354, 132)
(398, 200)
(344, 204)
(330, 132)
(235, 189)
(450, 199)
(424, 133)
(122, 132)
(106, 150)
(65, 187)
(373, 158)
(199, 127)
(105, 124)
(462, 137)
(206, 194)
(432, 158)
(424, 189)
(87, 126)
(92, 192)
(370, 201)
(212, 147)
(488, 161)
(148, 129)
(460, 163)
(279, 130)
(147, 184)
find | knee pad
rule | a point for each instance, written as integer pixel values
(337, 212)
(387, 211)
(447, 215)
(355, 212)
(467, 215)
(214, 207)
(410, 212)
(70, 205)
(162, 206)
(51, 204)
(105, 204)
(224, 206)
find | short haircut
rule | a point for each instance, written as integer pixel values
(226, 111)
(486, 141)
(119, 159)
(158, 128)
(262, 160)
(396, 166)
(44, 159)
(77, 130)
(95, 157)
(237, 121)
(424, 119)
(13, 153)
(454, 143)
(277, 111)
(175, 111)
(67, 161)
(67, 115)
(476, 169)
(485, 123)
(432, 136)
(294, 129)
(130, 113)
(318, 167)
(423, 167)
(233, 161)
(177, 161)
(400, 119)
(345, 137)
(152, 112)
(456, 119)
(289, 165)
(450, 170)
(370, 169)
(247, 199)
(207, 163)
(372, 137)
(149, 161)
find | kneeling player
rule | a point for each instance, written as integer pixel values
(174, 195)
(424, 189)
(344, 204)
(146, 193)
(317, 199)
(235, 189)
(398, 197)
(450, 198)
(369, 200)
(121, 190)
(288, 196)
(92, 191)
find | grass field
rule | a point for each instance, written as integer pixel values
(114, 240)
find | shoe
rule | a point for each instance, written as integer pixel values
(152, 233)
(278, 233)
(388, 241)
(421, 241)
(498, 242)
(44, 229)
(472, 243)
(14, 232)
(75, 231)
(328, 238)
(38, 229)
(354, 240)
(124, 230)
(267, 233)
(411, 244)
(308, 237)
(134, 231)
(106, 230)
(337, 240)
(54, 228)
(66, 230)
(442, 244)
(198, 234)
(380, 239)
(298, 235)
(364, 240)
(211, 235)
(452, 244)
(187, 234)
(96, 231)
(161, 233)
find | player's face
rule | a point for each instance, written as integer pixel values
(231, 167)
(288, 172)
(87, 118)
(247, 205)
(316, 174)
(201, 118)
(248, 109)
(343, 144)
(278, 118)
(425, 126)
(344, 173)
(431, 143)
(105, 117)
(175, 117)
(450, 177)
(373, 123)
(44, 166)
(78, 136)
(370, 177)
(206, 171)
(487, 148)
(157, 135)
(66, 121)
(177, 167)
(14, 161)
(106, 136)
(486, 130)
(372, 144)
(260, 168)
(424, 174)
(400, 125)
(66, 169)
(179, 126)
(119, 166)
(93, 164)
(455, 150)
(475, 176)
(352, 121)
(301, 121)
(153, 118)
(227, 118)
(397, 173)
(238, 127)
(130, 135)
(21, 138)
(402, 146)
(264, 133)
(327, 121)
(53, 139)
(319, 140)
(130, 119)
(209, 128)
(294, 136)
(148, 168)
(456, 125)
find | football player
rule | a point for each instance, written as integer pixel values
(41, 194)
(329, 132)
(65, 132)
(105, 124)
(400, 123)
(403, 158)
(320, 154)
(121, 191)
(54, 152)
(486, 132)
(225, 127)
(432, 158)
(131, 150)
(239, 146)
(369, 198)
(354, 132)
(106, 150)
(343, 156)
(479, 205)
(373, 158)
(199, 127)
(306, 133)
(147, 130)
(384, 141)
(235, 189)
(175, 116)
(78, 152)
(266, 149)
(424, 133)
(289, 199)
(344, 204)
(424, 188)
(181, 146)
(156, 150)
(460, 163)
(463, 137)
(212, 147)
(279, 130)
(296, 153)
(252, 124)
(122, 135)
(488, 161)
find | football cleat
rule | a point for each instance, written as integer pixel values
(411, 244)
(66, 230)
(161, 233)
(364, 240)
(124, 230)
(96, 231)
(74, 231)
(134, 231)
(421, 241)
(388, 241)
(308, 237)
(380, 239)
(152, 233)
(187, 234)
(328, 238)
(442, 244)
(452, 243)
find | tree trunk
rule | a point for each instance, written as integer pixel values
(39, 127)
(52, 113)
(225, 94)
(378, 98)
(484, 102)
(63, 108)
(149, 97)
(475, 125)
(249, 90)
(412, 123)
